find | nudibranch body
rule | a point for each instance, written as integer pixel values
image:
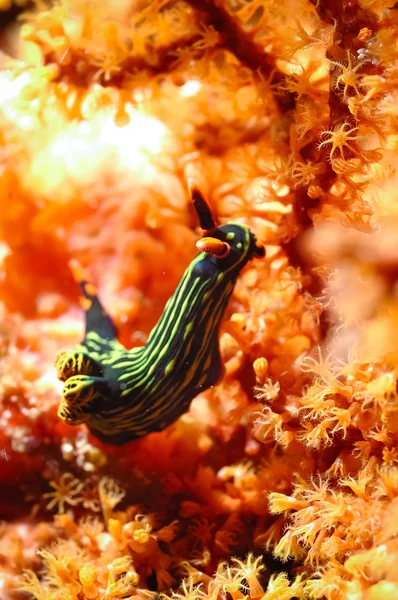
(122, 395)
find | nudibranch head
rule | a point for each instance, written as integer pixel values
(230, 244)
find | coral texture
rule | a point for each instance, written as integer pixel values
(281, 482)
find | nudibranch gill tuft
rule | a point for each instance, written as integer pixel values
(122, 395)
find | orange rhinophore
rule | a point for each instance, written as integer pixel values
(78, 272)
(85, 303)
(91, 289)
(82, 278)
(213, 246)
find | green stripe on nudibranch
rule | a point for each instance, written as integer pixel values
(169, 367)
(123, 394)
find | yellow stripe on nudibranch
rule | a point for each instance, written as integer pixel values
(188, 329)
(169, 367)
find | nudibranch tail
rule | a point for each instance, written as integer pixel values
(202, 208)
(97, 320)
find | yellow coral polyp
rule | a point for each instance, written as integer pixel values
(229, 580)
(142, 535)
(87, 576)
(250, 570)
(340, 138)
(66, 491)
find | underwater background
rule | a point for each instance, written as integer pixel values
(280, 482)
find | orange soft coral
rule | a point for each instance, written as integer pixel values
(285, 113)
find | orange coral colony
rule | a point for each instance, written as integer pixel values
(280, 482)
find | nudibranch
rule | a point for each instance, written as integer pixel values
(122, 395)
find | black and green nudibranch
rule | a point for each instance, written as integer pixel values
(122, 395)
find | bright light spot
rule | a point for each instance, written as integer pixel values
(189, 89)
(87, 146)
(22, 530)
(49, 381)
(143, 135)
(4, 251)
(12, 89)
(68, 148)
(79, 153)
(25, 122)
